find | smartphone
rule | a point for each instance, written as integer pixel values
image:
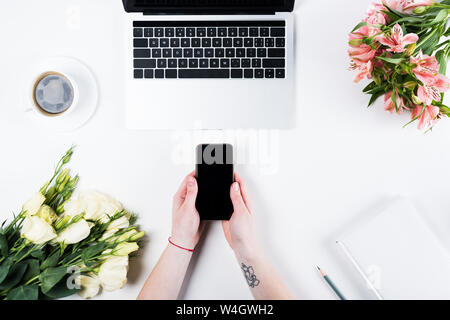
(214, 171)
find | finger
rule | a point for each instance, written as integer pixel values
(191, 193)
(236, 198)
(180, 195)
(244, 191)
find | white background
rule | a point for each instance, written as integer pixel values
(342, 160)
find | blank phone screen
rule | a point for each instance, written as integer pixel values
(215, 175)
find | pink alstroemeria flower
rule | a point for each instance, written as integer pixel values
(364, 69)
(410, 5)
(360, 51)
(389, 104)
(375, 15)
(432, 89)
(427, 117)
(396, 41)
(426, 67)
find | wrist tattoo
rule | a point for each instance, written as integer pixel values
(250, 276)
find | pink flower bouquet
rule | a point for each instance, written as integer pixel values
(402, 47)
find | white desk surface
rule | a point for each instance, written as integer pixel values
(340, 161)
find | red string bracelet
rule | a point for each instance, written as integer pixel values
(175, 245)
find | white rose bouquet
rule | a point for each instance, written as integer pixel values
(61, 244)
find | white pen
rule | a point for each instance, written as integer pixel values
(360, 271)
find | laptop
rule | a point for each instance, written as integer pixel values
(209, 64)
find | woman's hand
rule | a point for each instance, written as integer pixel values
(240, 230)
(185, 218)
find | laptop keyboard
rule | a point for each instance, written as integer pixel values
(209, 49)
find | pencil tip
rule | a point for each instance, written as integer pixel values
(318, 268)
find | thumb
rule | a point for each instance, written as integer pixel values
(191, 194)
(236, 198)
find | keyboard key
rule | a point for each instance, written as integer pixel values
(159, 32)
(193, 63)
(212, 32)
(188, 53)
(270, 42)
(280, 73)
(148, 32)
(276, 53)
(251, 53)
(217, 42)
(277, 32)
(182, 63)
(142, 53)
(148, 73)
(243, 32)
(195, 42)
(254, 32)
(204, 73)
(245, 63)
(220, 53)
(240, 53)
(167, 53)
(264, 32)
(248, 42)
(174, 42)
(259, 42)
(156, 53)
(169, 32)
(235, 63)
(262, 53)
(153, 43)
(144, 63)
(137, 32)
(224, 63)
(164, 42)
(201, 32)
(162, 63)
(237, 42)
(256, 63)
(248, 73)
(206, 42)
(259, 73)
(138, 74)
(222, 32)
(180, 32)
(140, 43)
(269, 73)
(230, 53)
(209, 53)
(190, 32)
(171, 74)
(198, 53)
(280, 43)
(232, 32)
(214, 63)
(203, 63)
(185, 42)
(177, 53)
(236, 73)
(274, 63)
(159, 73)
(172, 63)
(227, 42)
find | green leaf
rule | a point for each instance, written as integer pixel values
(359, 25)
(33, 269)
(51, 261)
(39, 254)
(93, 251)
(3, 245)
(30, 292)
(374, 98)
(442, 58)
(4, 269)
(14, 276)
(61, 290)
(370, 87)
(50, 277)
(391, 60)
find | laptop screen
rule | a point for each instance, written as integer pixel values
(208, 6)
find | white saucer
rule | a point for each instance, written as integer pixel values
(78, 114)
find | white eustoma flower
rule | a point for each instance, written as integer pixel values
(120, 223)
(74, 233)
(113, 273)
(97, 205)
(125, 248)
(73, 207)
(90, 286)
(33, 205)
(37, 230)
(47, 213)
